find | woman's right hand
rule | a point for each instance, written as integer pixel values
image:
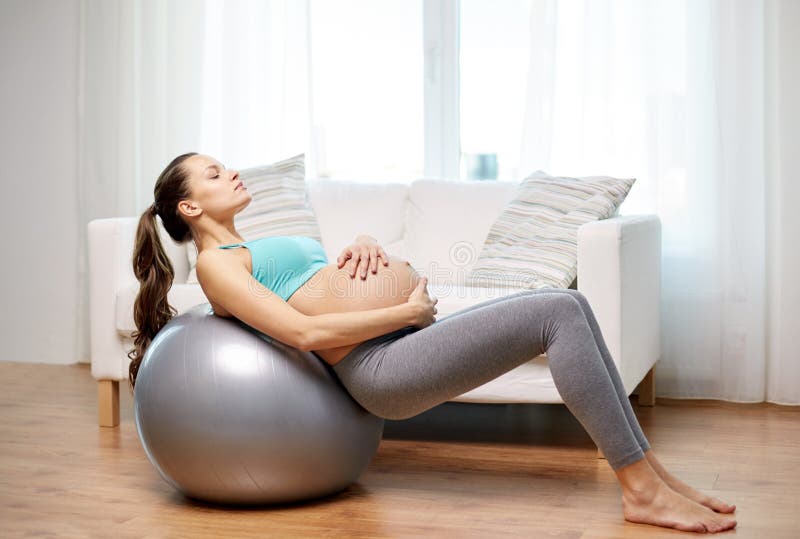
(424, 306)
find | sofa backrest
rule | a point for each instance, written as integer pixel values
(447, 222)
(347, 208)
(437, 225)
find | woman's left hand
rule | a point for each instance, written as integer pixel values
(361, 255)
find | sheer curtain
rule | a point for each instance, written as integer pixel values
(158, 79)
(676, 94)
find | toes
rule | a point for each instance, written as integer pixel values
(720, 525)
(722, 507)
(728, 507)
(698, 527)
(715, 527)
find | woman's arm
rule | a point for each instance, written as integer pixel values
(331, 330)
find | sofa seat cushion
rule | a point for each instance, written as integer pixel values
(529, 382)
(454, 298)
(517, 385)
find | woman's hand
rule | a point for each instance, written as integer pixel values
(425, 307)
(361, 255)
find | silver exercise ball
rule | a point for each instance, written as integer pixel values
(228, 415)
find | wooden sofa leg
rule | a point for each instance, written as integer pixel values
(108, 402)
(647, 388)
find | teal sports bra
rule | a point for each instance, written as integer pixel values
(284, 263)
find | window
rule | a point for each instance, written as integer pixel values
(367, 89)
(493, 58)
(406, 89)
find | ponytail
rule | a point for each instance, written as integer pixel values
(155, 274)
(151, 264)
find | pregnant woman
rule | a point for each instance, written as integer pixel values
(370, 317)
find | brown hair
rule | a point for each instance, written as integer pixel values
(151, 265)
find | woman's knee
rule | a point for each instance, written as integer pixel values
(572, 292)
(578, 295)
(568, 304)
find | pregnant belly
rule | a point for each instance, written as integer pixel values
(332, 290)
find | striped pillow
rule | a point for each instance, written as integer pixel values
(279, 206)
(534, 241)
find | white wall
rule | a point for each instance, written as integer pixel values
(38, 163)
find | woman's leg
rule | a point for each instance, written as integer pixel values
(608, 361)
(675, 483)
(404, 376)
(408, 375)
(611, 367)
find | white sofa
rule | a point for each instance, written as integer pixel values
(439, 226)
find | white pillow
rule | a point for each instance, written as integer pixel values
(279, 206)
(533, 243)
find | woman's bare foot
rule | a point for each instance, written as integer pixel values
(693, 494)
(662, 506)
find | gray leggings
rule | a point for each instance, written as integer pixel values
(403, 373)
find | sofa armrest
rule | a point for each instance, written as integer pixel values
(619, 272)
(110, 253)
(111, 243)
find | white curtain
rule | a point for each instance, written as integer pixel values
(161, 78)
(678, 95)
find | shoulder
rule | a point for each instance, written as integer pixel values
(212, 257)
(233, 291)
(212, 261)
(221, 276)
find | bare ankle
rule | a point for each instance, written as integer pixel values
(644, 495)
(639, 481)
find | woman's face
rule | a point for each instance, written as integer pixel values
(215, 189)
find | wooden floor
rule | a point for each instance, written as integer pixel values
(458, 470)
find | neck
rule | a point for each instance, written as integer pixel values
(219, 234)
